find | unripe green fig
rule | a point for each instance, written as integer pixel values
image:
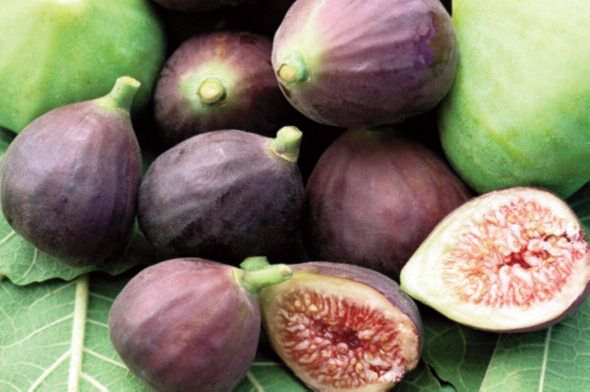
(57, 52)
(69, 180)
(519, 110)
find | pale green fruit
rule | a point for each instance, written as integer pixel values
(56, 52)
(519, 111)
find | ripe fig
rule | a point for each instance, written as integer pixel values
(374, 196)
(190, 324)
(69, 180)
(224, 195)
(342, 327)
(219, 80)
(57, 52)
(511, 260)
(365, 63)
(519, 113)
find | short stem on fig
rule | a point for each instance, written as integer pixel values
(254, 263)
(211, 91)
(122, 94)
(293, 69)
(254, 281)
(287, 143)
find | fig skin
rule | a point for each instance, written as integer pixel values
(69, 180)
(223, 195)
(365, 63)
(242, 91)
(498, 316)
(188, 325)
(377, 283)
(373, 198)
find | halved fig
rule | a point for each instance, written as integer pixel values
(342, 327)
(512, 260)
(191, 324)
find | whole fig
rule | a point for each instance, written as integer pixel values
(191, 324)
(69, 180)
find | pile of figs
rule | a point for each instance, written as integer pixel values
(386, 151)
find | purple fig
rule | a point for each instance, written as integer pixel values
(69, 180)
(221, 80)
(225, 195)
(374, 196)
(341, 327)
(365, 63)
(191, 324)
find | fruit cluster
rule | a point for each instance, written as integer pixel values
(231, 116)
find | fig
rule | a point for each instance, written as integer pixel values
(190, 324)
(219, 80)
(365, 63)
(225, 195)
(58, 52)
(342, 327)
(69, 180)
(518, 112)
(511, 260)
(373, 197)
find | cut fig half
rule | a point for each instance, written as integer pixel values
(341, 327)
(513, 260)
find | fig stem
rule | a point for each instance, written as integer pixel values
(211, 91)
(293, 69)
(254, 263)
(254, 281)
(122, 94)
(287, 143)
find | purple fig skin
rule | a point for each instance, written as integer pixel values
(196, 5)
(222, 195)
(253, 100)
(186, 325)
(368, 62)
(69, 183)
(373, 197)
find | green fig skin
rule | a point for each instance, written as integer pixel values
(242, 90)
(222, 195)
(188, 325)
(69, 180)
(365, 63)
(60, 52)
(373, 197)
(518, 113)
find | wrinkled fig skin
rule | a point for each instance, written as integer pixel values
(196, 5)
(373, 197)
(70, 189)
(222, 195)
(369, 62)
(389, 288)
(241, 62)
(186, 325)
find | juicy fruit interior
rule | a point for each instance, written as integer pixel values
(337, 334)
(519, 263)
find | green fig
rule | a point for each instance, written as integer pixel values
(57, 52)
(519, 111)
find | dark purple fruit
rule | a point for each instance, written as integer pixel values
(197, 5)
(342, 327)
(225, 195)
(221, 80)
(69, 180)
(190, 324)
(364, 63)
(374, 196)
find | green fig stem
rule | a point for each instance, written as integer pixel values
(122, 94)
(211, 91)
(287, 143)
(254, 263)
(293, 69)
(254, 281)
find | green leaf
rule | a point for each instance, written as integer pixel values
(23, 264)
(580, 203)
(420, 379)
